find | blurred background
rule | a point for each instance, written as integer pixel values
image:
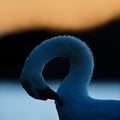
(104, 41)
(25, 24)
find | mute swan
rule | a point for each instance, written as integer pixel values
(72, 99)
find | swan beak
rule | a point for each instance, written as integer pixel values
(48, 94)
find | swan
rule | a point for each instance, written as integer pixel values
(72, 99)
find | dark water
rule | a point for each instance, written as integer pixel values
(15, 104)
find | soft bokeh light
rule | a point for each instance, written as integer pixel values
(61, 15)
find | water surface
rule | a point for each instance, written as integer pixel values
(16, 104)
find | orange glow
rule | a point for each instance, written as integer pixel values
(62, 15)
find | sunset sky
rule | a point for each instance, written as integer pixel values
(17, 15)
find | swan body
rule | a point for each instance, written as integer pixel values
(72, 99)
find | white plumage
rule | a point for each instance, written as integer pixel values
(72, 99)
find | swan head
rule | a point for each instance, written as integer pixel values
(36, 87)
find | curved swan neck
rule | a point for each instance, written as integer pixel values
(75, 50)
(81, 68)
